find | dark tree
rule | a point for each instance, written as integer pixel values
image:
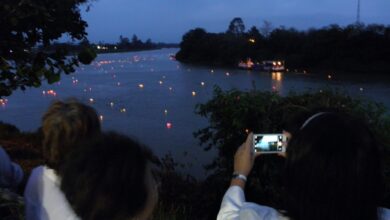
(27, 31)
(266, 29)
(236, 27)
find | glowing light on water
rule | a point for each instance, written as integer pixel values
(119, 84)
(160, 82)
(193, 93)
(169, 125)
(51, 93)
(227, 74)
(247, 131)
(361, 89)
(123, 110)
(141, 86)
(165, 111)
(91, 100)
(329, 76)
(202, 83)
(212, 71)
(101, 117)
(170, 88)
(112, 104)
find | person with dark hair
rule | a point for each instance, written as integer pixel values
(110, 178)
(64, 124)
(333, 171)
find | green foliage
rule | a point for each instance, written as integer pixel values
(232, 113)
(350, 49)
(28, 29)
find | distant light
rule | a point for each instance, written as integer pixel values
(160, 82)
(141, 86)
(212, 71)
(169, 125)
(112, 104)
(119, 84)
(227, 74)
(165, 111)
(361, 89)
(252, 40)
(163, 77)
(91, 100)
(202, 83)
(170, 88)
(193, 93)
(247, 131)
(329, 76)
(3, 102)
(123, 110)
(101, 117)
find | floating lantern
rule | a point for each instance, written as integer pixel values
(202, 83)
(227, 74)
(170, 88)
(329, 76)
(247, 131)
(3, 102)
(169, 125)
(160, 82)
(361, 89)
(212, 71)
(141, 86)
(193, 93)
(112, 104)
(91, 100)
(123, 110)
(119, 84)
(101, 117)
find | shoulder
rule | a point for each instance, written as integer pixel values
(384, 213)
(255, 211)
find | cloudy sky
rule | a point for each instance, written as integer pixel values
(168, 20)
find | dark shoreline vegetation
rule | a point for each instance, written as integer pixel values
(356, 48)
(230, 114)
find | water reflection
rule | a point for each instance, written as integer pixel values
(277, 81)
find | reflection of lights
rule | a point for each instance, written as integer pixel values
(101, 117)
(277, 76)
(112, 104)
(119, 84)
(165, 111)
(202, 83)
(170, 88)
(123, 110)
(193, 93)
(227, 74)
(169, 125)
(141, 86)
(160, 82)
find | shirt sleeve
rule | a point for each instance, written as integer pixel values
(10, 173)
(232, 203)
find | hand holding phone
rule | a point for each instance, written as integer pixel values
(269, 143)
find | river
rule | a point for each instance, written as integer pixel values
(152, 98)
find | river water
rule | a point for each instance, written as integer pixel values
(152, 98)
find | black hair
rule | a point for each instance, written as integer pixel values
(333, 170)
(105, 178)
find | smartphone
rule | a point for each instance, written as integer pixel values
(269, 143)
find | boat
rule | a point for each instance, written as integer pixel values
(268, 65)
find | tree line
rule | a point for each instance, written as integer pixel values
(353, 48)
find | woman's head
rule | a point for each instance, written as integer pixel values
(333, 170)
(110, 177)
(64, 124)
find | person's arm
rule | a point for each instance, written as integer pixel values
(10, 173)
(234, 197)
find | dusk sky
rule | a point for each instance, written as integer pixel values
(168, 20)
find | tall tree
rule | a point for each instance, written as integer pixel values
(266, 28)
(28, 28)
(236, 27)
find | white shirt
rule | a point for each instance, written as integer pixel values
(10, 173)
(234, 207)
(44, 199)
